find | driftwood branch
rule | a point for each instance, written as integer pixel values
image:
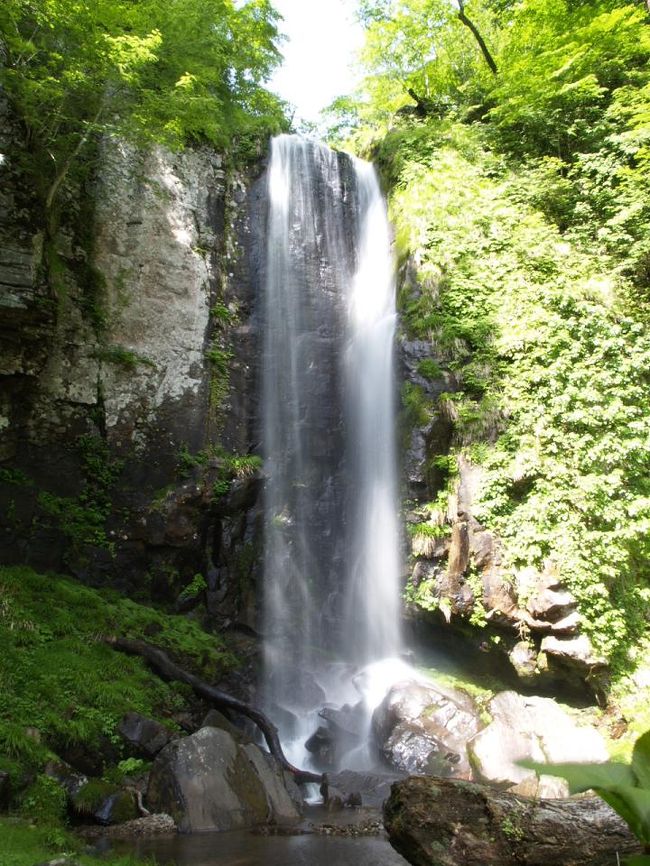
(169, 670)
(440, 822)
(485, 51)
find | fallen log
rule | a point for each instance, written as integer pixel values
(440, 822)
(169, 670)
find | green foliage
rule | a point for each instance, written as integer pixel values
(429, 369)
(45, 801)
(133, 766)
(82, 519)
(231, 466)
(195, 587)
(150, 70)
(24, 844)
(123, 357)
(62, 684)
(550, 357)
(625, 787)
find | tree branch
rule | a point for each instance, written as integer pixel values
(169, 670)
(481, 42)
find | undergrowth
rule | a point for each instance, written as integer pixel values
(61, 686)
(549, 347)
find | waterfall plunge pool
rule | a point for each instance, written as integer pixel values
(248, 848)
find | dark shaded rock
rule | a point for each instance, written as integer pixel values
(117, 808)
(443, 822)
(66, 776)
(422, 728)
(322, 745)
(209, 782)
(348, 722)
(215, 719)
(146, 736)
(5, 789)
(373, 788)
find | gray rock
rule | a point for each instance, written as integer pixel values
(551, 604)
(117, 808)
(523, 658)
(146, 736)
(323, 746)
(373, 788)
(576, 650)
(215, 719)
(66, 776)
(348, 721)
(530, 728)
(422, 728)
(209, 782)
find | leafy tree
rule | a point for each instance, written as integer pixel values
(152, 70)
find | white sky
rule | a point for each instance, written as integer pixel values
(318, 53)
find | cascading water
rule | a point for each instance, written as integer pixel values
(331, 540)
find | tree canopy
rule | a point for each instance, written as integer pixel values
(164, 70)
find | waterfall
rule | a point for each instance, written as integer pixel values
(331, 596)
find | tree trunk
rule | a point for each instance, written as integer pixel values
(440, 822)
(169, 670)
(481, 42)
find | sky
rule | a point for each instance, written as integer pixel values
(322, 40)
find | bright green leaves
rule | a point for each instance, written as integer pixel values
(560, 63)
(152, 70)
(625, 787)
(641, 760)
(550, 362)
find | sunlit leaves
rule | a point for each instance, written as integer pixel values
(152, 70)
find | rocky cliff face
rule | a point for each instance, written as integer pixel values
(128, 373)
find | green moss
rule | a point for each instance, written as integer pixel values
(82, 519)
(44, 801)
(429, 369)
(126, 358)
(23, 844)
(62, 684)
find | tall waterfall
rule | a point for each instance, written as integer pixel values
(331, 539)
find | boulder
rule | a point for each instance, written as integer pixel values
(215, 719)
(322, 745)
(443, 822)
(146, 736)
(66, 776)
(373, 788)
(423, 728)
(348, 722)
(530, 728)
(117, 808)
(210, 782)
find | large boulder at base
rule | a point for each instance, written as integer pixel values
(533, 728)
(424, 728)
(444, 822)
(210, 782)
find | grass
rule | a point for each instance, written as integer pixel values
(61, 686)
(23, 844)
